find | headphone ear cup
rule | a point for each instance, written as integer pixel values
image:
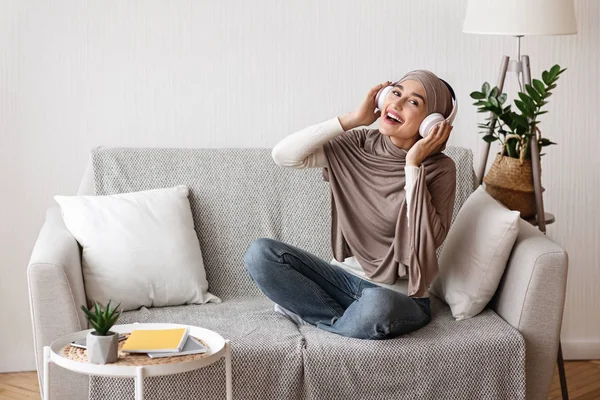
(381, 95)
(429, 122)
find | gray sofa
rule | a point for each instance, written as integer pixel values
(237, 195)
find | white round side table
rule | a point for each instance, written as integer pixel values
(141, 367)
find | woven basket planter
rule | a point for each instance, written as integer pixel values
(510, 181)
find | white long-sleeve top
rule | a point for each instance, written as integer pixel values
(304, 149)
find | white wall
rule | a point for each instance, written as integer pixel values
(76, 74)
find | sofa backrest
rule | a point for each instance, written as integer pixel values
(238, 195)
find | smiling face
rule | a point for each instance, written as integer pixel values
(407, 102)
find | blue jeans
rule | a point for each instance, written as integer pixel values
(325, 295)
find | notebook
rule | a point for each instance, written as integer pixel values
(156, 340)
(192, 346)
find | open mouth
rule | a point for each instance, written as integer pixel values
(392, 118)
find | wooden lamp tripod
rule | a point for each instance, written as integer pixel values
(518, 18)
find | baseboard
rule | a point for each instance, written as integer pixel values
(14, 363)
(581, 349)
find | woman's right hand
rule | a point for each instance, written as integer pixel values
(365, 114)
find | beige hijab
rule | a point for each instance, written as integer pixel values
(368, 206)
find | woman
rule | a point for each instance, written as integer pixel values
(392, 196)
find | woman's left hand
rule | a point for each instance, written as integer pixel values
(424, 147)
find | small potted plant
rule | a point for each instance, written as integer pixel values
(510, 178)
(102, 344)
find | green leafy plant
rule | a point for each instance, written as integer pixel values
(514, 130)
(102, 318)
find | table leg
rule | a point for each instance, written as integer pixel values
(139, 383)
(46, 389)
(228, 382)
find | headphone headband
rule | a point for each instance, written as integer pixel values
(449, 88)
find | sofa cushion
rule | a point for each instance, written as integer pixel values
(479, 358)
(482, 357)
(266, 354)
(239, 195)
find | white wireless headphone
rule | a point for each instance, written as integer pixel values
(432, 119)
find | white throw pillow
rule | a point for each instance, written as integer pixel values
(475, 254)
(139, 249)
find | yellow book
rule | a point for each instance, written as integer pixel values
(156, 340)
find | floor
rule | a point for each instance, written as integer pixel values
(583, 381)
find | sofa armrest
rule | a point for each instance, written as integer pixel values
(531, 298)
(55, 281)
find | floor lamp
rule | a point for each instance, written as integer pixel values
(522, 18)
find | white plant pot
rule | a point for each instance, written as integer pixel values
(102, 349)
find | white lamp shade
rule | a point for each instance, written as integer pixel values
(520, 17)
